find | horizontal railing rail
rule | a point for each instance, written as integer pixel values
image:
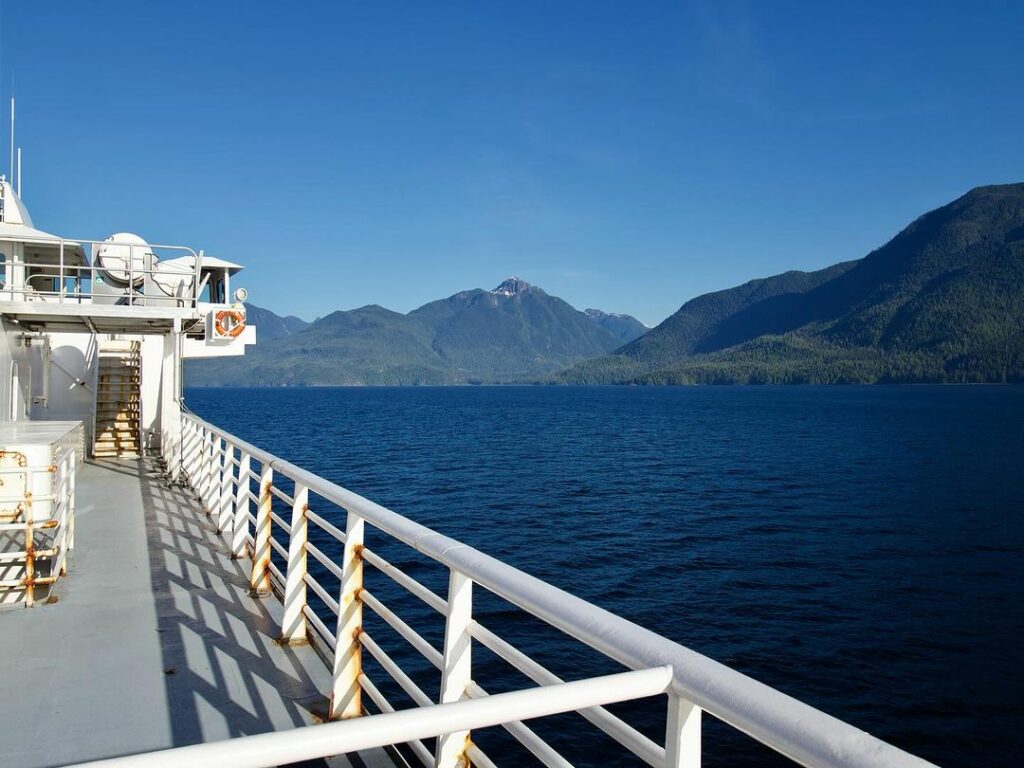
(281, 747)
(224, 482)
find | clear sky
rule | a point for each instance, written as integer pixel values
(624, 155)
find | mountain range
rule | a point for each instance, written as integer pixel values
(943, 301)
(514, 333)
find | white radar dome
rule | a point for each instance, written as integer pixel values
(174, 276)
(124, 258)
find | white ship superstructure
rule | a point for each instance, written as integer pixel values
(175, 596)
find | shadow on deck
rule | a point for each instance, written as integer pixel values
(154, 640)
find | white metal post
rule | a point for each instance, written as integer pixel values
(293, 624)
(64, 500)
(240, 528)
(226, 505)
(30, 546)
(457, 671)
(346, 699)
(72, 479)
(186, 442)
(205, 446)
(191, 451)
(195, 477)
(259, 581)
(212, 499)
(682, 734)
(197, 461)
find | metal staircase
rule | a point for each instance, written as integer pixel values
(118, 400)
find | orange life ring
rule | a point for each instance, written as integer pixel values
(235, 330)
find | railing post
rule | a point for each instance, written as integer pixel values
(456, 673)
(196, 460)
(213, 468)
(64, 500)
(30, 544)
(186, 446)
(195, 477)
(259, 581)
(205, 446)
(225, 505)
(293, 624)
(346, 698)
(240, 528)
(72, 479)
(192, 453)
(682, 734)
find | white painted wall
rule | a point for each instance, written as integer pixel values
(73, 358)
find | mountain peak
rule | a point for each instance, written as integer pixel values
(511, 286)
(600, 314)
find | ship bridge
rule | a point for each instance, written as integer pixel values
(121, 284)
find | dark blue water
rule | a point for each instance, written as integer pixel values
(859, 548)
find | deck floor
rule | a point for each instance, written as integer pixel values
(154, 640)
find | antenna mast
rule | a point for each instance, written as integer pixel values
(12, 137)
(19, 171)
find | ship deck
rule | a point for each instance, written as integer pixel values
(153, 641)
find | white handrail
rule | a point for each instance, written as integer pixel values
(347, 736)
(788, 726)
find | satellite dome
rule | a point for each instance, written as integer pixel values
(125, 259)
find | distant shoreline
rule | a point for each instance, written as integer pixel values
(544, 385)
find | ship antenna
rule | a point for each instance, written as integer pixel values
(12, 129)
(19, 171)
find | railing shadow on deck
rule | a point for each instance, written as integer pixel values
(226, 674)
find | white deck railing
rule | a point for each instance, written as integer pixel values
(221, 469)
(62, 278)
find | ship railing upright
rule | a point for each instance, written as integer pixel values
(63, 282)
(224, 470)
(27, 516)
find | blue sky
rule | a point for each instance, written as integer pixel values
(627, 156)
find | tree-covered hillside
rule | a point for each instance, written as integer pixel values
(943, 301)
